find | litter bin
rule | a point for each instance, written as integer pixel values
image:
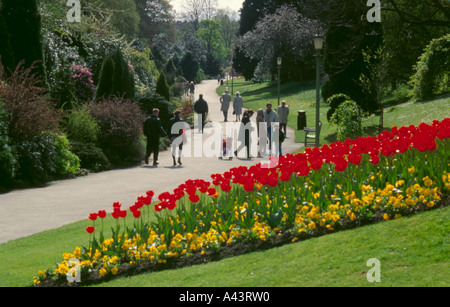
(221, 82)
(301, 120)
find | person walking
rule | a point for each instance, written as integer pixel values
(283, 113)
(270, 117)
(176, 137)
(259, 120)
(245, 132)
(153, 130)
(192, 88)
(237, 106)
(201, 108)
(225, 100)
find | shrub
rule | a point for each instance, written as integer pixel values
(91, 157)
(334, 102)
(46, 157)
(116, 78)
(81, 126)
(348, 118)
(30, 111)
(432, 69)
(8, 162)
(83, 82)
(120, 130)
(162, 88)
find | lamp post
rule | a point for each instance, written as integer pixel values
(318, 45)
(279, 69)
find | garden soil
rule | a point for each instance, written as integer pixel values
(29, 211)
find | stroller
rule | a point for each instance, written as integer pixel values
(227, 145)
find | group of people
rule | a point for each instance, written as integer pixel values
(270, 118)
(153, 129)
(238, 104)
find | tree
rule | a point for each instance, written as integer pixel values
(209, 32)
(193, 12)
(23, 23)
(162, 88)
(285, 33)
(116, 78)
(125, 17)
(374, 82)
(156, 17)
(189, 66)
(6, 51)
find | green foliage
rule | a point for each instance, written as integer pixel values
(91, 157)
(189, 66)
(81, 126)
(116, 78)
(145, 71)
(8, 162)
(125, 17)
(162, 88)
(23, 24)
(45, 157)
(334, 102)
(348, 118)
(432, 74)
(121, 128)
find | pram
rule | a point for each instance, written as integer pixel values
(227, 145)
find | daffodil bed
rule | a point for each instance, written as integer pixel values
(338, 186)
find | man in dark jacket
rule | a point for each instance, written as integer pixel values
(245, 132)
(201, 108)
(153, 130)
(176, 136)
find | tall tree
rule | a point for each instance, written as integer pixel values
(125, 17)
(23, 24)
(156, 17)
(193, 12)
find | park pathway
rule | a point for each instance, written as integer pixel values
(30, 211)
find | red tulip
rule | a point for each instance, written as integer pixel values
(90, 229)
(194, 198)
(93, 216)
(136, 213)
(101, 214)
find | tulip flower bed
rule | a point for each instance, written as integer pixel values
(331, 188)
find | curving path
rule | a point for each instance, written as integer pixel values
(30, 211)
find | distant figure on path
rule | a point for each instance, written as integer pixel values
(225, 100)
(201, 108)
(192, 88)
(283, 113)
(270, 117)
(176, 137)
(218, 78)
(153, 130)
(259, 119)
(245, 133)
(238, 105)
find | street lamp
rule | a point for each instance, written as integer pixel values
(279, 69)
(318, 45)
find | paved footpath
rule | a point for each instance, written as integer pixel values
(30, 211)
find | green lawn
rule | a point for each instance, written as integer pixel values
(412, 252)
(302, 96)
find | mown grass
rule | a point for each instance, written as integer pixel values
(413, 251)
